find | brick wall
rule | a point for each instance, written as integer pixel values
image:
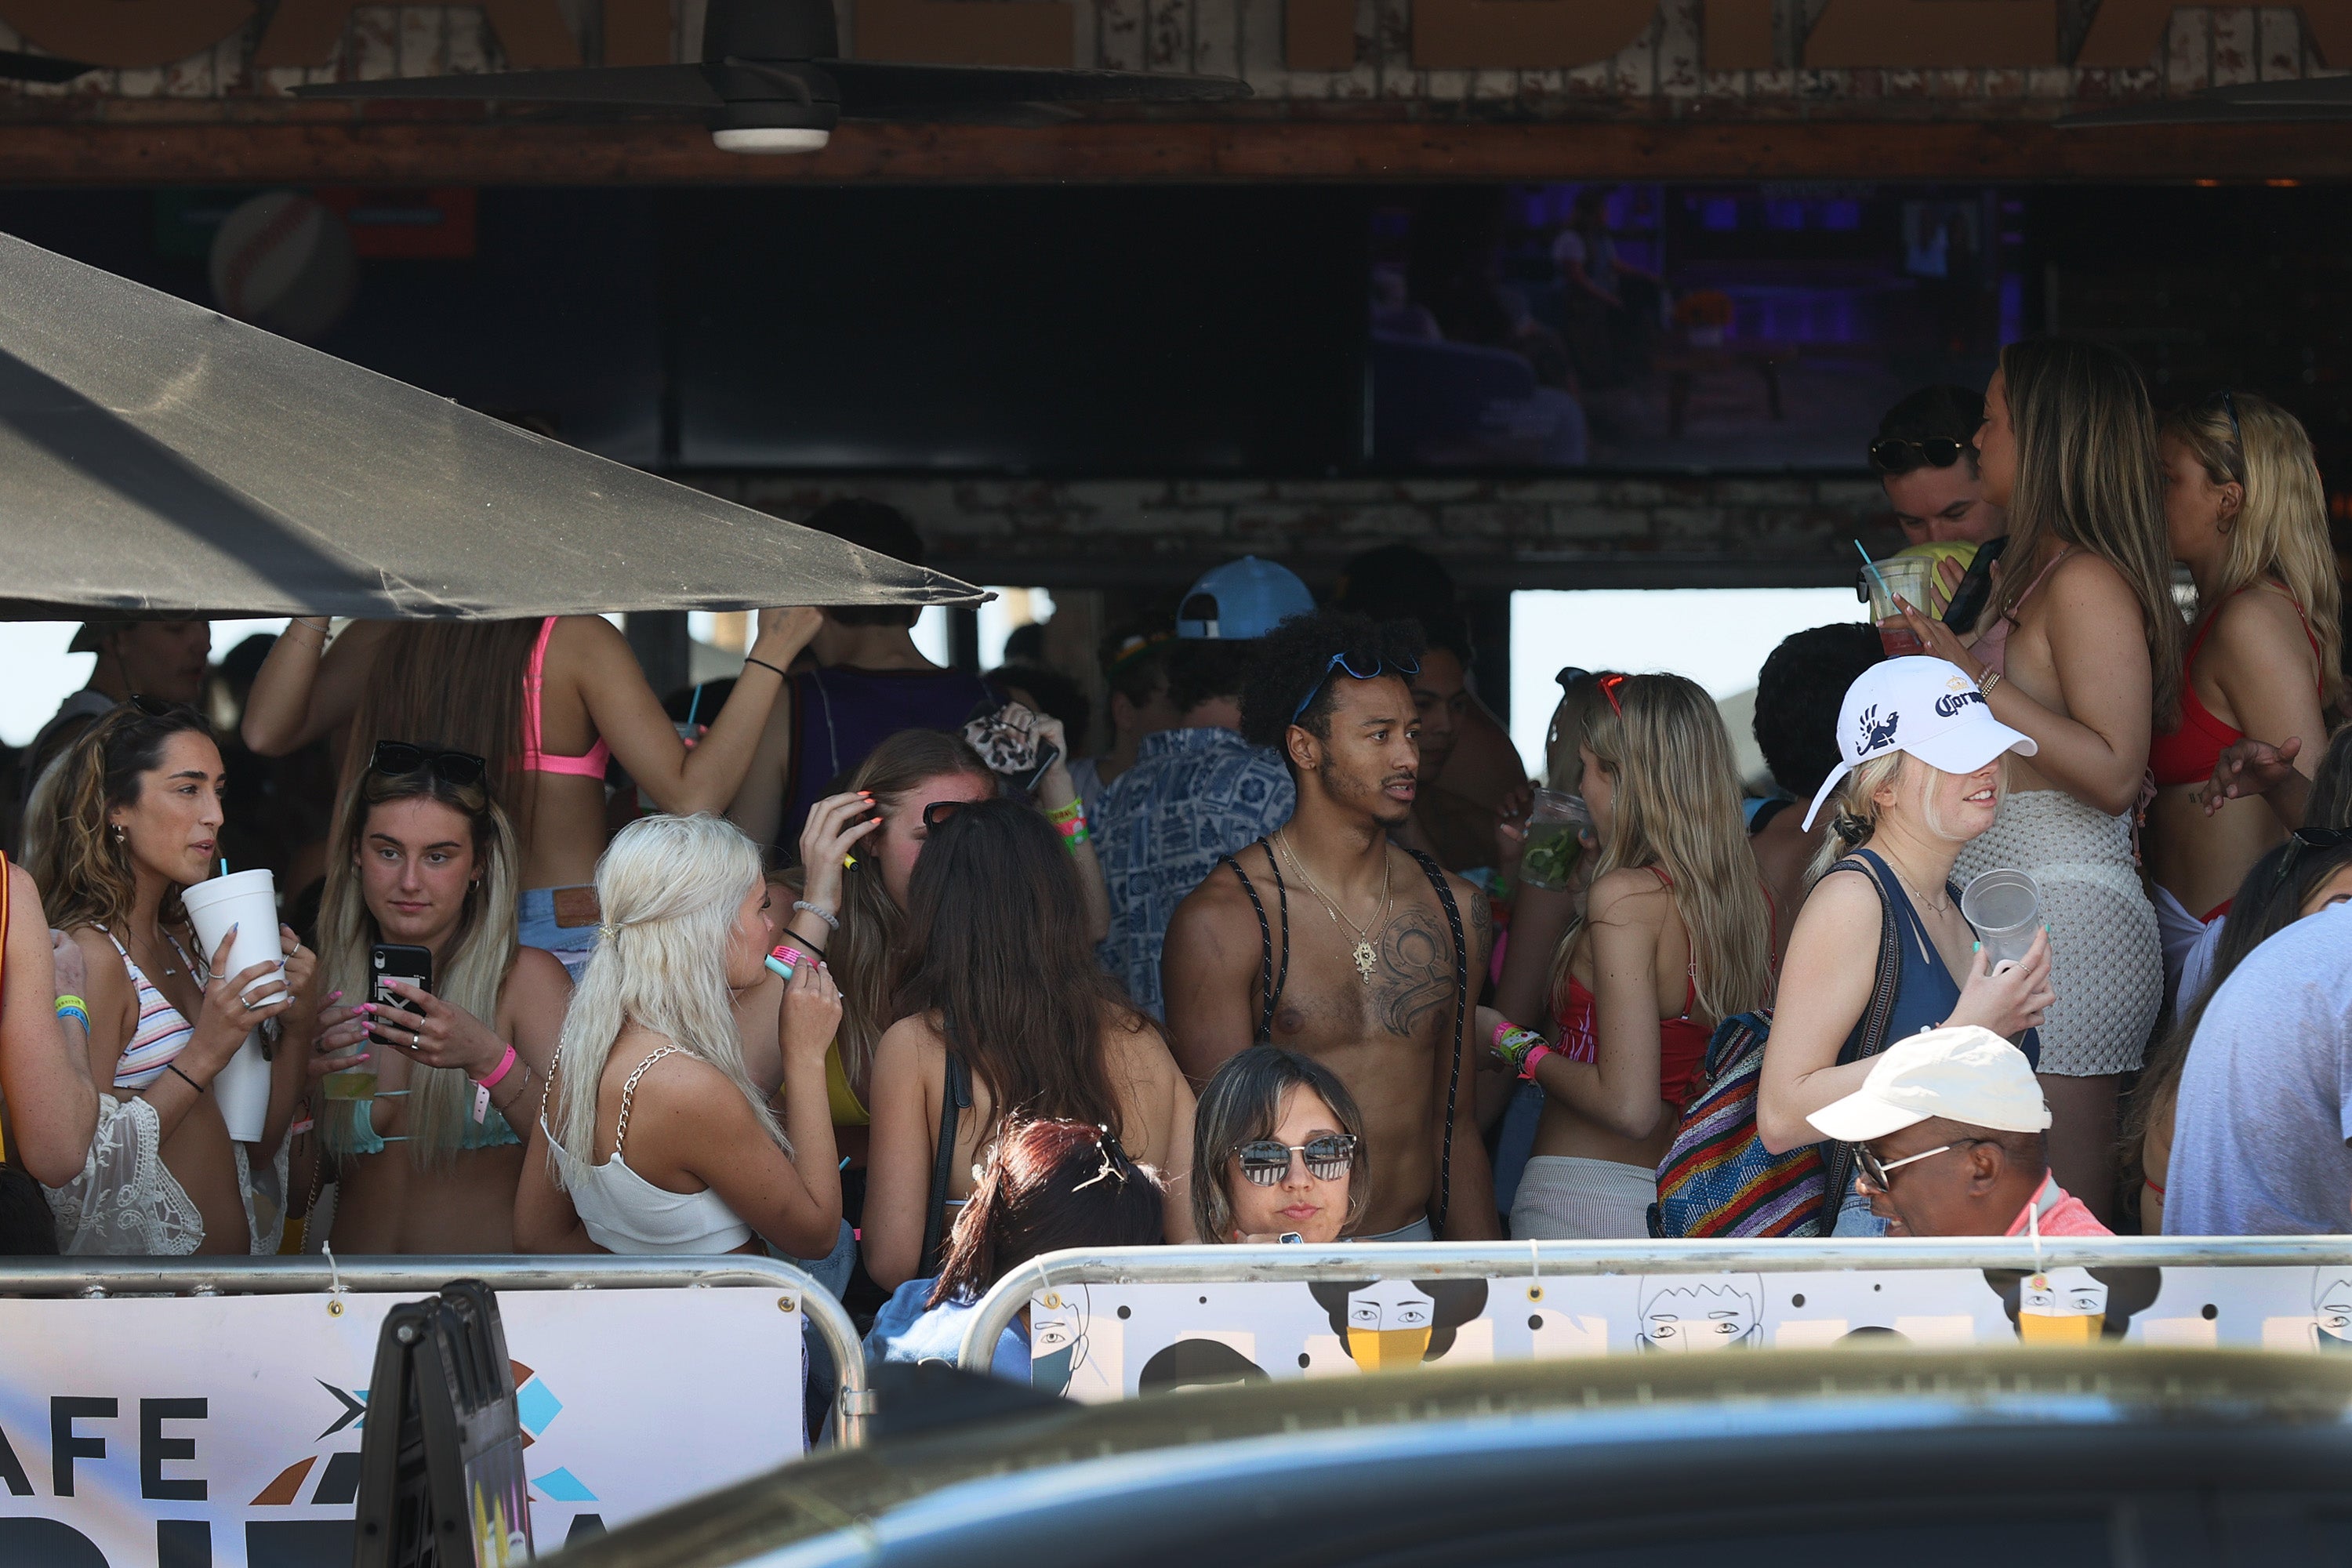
(1564, 532)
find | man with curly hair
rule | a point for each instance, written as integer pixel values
(1326, 937)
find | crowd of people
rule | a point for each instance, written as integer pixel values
(862, 967)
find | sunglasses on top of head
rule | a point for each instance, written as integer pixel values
(1900, 455)
(1342, 662)
(1265, 1161)
(399, 759)
(2303, 838)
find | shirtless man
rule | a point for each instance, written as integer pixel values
(1368, 986)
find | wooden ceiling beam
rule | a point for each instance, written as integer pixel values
(193, 149)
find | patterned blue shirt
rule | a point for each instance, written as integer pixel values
(1192, 795)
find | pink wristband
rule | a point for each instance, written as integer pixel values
(1503, 1027)
(1535, 1055)
(506, 1066)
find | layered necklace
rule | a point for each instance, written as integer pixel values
(1367, 957)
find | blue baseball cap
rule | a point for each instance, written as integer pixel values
(1241, 600)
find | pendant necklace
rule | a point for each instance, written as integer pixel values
(1367, 957)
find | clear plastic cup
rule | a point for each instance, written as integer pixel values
(1899, 576)
(1555, 842)
(2005, 907)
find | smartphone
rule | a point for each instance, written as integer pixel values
(394, 961)
(1291, 1239)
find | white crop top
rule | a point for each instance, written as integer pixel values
(622, 1212)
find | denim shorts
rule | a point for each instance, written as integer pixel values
(536, 927)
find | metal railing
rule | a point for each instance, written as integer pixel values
(1548, 1259)
(100, 1277)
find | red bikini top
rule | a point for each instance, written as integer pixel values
(2188, 756)
(1682, 1042)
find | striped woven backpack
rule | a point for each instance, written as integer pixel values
(1717, 1179)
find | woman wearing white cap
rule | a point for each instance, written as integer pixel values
(1918, 776)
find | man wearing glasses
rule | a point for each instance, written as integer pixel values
(1328, 938)
(1948, 1135)
(1925, 458)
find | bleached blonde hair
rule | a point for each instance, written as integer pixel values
(1676, 809)
(1853, 811)
(668, 887)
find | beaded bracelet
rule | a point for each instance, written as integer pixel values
(832, 922)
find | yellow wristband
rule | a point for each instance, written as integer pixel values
(1069, 813)
(65, 1002)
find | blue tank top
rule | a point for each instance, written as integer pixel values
(1924, 993)
(840, 715)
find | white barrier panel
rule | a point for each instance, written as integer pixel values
(225, 1430)
(1105, 1341)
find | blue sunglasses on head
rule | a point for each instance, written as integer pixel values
(1339, 661)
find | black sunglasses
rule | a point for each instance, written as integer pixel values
(1900, 455)
(936, 814)
(2303, 838)
(398, 759)
(1265, 1161)
(155, 707)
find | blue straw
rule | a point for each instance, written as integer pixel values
(1871, 567)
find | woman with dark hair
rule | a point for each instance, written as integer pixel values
(138, 816)
(1004, 1014)
(1277, 1152)
(2079, 650)
(1048, 1185)
(548, 702)
(2310, 872)
(423, 858)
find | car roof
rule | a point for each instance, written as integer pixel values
(2102, 1416)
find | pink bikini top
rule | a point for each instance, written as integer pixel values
(536, 758)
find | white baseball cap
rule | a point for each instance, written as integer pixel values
(1969, 1074)
(1923, 706)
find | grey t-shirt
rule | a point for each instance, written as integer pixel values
(2259, 1144)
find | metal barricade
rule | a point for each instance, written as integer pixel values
(1535, 1260)
(102, 1277)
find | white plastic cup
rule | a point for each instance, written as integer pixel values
(248, 901)
(2005, 907)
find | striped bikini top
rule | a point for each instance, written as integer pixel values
(161, 1033)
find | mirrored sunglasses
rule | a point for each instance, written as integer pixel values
(1265, 1161)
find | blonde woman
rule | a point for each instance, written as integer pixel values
(2247, 514)
(653, 1138)
(1676, 934)
(1918, 779)
(423, 858)
(2079, 649)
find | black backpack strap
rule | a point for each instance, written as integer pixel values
(955, 1099)
(1436, 874)
(1274, 979)
(1870, 1037)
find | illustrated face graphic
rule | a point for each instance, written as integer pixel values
(2331, 1310)
(2062, 1307)
(1688, 1319)
(1058, 1342)
(1389, 1324)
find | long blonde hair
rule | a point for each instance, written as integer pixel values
(2281, 533)
(668, 887)
(864, 953)
(2088, 473)
(472, 966)
(1676, 807)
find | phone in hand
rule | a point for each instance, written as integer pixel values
(1005, 739)
(396, 960)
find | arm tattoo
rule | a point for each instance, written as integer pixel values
(1416, 973)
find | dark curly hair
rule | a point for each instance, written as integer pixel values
(1293, 663)
(1798, 696)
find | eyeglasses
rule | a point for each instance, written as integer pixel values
(1265, 1161)
(1406, 667)
(1899, 455)
(398, 759)
(2303, 838)
(1877, 1173)
(1609, 685)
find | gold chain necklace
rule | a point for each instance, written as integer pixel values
(1366, 956)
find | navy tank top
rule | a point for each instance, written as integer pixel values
(1926, 993)
(840, 715)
